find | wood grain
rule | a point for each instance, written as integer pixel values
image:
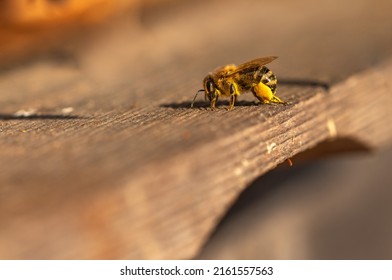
(103, 158)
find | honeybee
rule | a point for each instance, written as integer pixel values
(232, 81)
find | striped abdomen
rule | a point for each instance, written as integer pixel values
(268, 78)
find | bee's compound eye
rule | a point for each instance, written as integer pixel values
(210, 86)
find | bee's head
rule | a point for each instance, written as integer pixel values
(210, 88)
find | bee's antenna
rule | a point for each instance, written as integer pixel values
(194, 98)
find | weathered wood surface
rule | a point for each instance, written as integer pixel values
(112, 163)
(329, 208)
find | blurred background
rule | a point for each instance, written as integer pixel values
(335, 207)
(315, 35)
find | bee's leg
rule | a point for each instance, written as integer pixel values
(213, 103)
(213, 99)
(233, 96)
(276, 99)
(263, 101)
(259, 96)
(265, 94)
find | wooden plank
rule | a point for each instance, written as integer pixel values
(332, 208)
(105, 159)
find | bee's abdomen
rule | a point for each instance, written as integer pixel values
(268, 78)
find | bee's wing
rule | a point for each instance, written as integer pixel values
(252, 65)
